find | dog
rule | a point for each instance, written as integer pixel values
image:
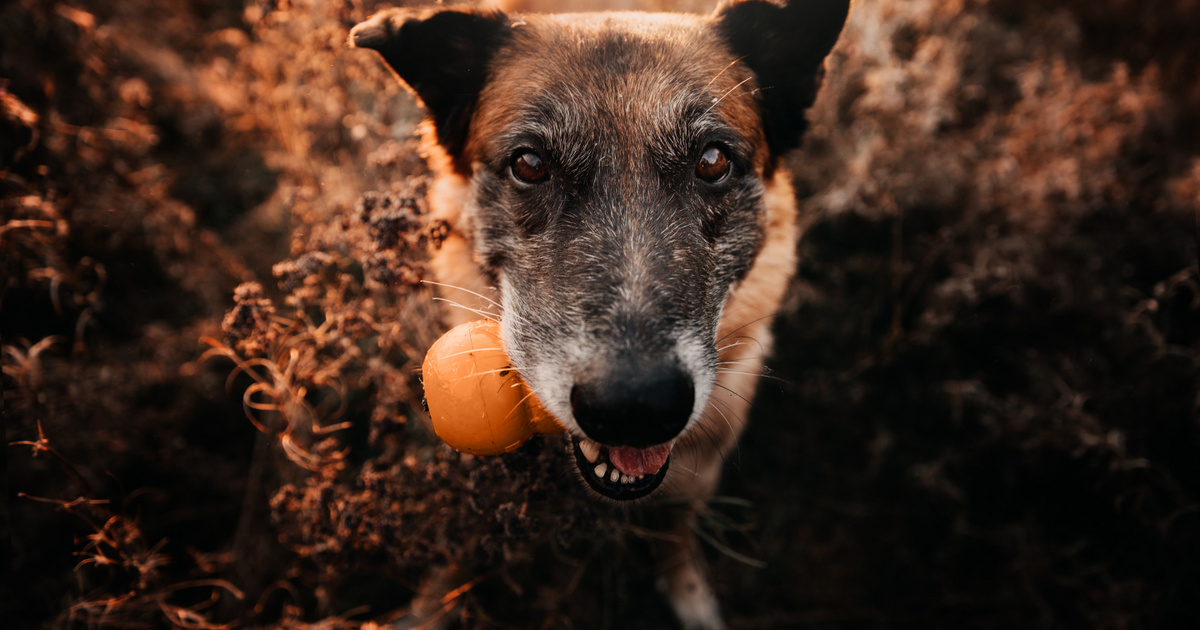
(617, 180)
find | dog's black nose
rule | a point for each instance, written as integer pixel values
(640, 404)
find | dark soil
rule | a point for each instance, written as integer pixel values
(982, 410)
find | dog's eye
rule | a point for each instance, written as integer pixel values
(529, 167)
(714, 166)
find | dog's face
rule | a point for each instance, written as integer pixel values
(617, 198)
(617, 167)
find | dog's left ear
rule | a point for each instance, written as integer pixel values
(443, 56)
(785, 47)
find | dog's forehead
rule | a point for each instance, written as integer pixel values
(629, 74)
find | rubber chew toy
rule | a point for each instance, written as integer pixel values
(477, 401)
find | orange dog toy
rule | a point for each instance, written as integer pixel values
(477, 401)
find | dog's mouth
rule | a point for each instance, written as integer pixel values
(621, 473)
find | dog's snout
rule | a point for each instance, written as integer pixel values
(636, 405)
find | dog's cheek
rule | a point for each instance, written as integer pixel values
(533, 333)
(508, 216)
(532, 211)
(737, 234)
(737, 250)
(492, 227)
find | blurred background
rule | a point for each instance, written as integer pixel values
(981, 412)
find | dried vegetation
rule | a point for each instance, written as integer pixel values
(211, 312)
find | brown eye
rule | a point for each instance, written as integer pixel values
(529, 168)
(714, 165)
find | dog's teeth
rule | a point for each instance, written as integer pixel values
(626, 479)
(601, 468)
(590, 449)
(614, 475)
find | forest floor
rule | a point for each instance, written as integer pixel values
(981, 411)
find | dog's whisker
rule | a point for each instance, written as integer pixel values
(695, 442)
(723, 416)
(680, 465)
(735, 344)
(718, 401)
(465, 290)
(517, 406)
(727, 93)
(732, 430)
(459, 354)
(718, 75)
(725, 549)
(512, 367)
(765, 374)
(482, 313)
(751, 341)
(728, 407)
(730, 334)
(750, 362)
(734, 392)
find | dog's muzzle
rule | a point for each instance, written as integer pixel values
(631, 415)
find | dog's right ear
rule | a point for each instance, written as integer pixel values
(442, 55)
(785, 45)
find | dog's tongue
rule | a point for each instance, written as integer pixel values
(636, 462)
